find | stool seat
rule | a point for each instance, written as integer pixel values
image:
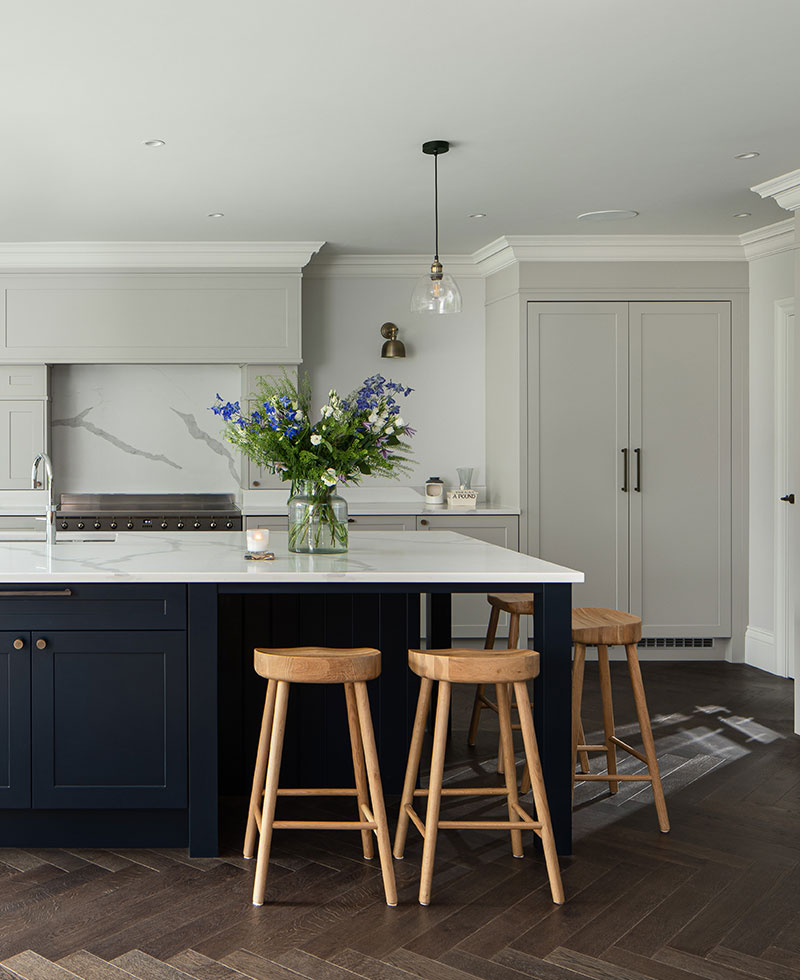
(518, 603)
(318, 665)
(605, 627)
(475, 666)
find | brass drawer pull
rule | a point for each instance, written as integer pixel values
(41, 644)
(43, 592)
(19, 644)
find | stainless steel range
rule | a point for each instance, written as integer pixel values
(148, 512)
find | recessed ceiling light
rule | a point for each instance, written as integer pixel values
(155, 142)
(478, 214)
(607, 215)
(216, 214)
(743, 214)
(747, 156)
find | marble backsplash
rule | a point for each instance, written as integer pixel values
(142, 428)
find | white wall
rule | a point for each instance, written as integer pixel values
(444, 363)
(141, 428)
(771, 279)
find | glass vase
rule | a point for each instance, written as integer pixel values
(317, 520)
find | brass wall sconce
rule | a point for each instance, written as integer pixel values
(393, 347)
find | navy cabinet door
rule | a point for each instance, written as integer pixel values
(109, 719)
(15, 720)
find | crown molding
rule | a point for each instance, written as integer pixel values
(784, 189)
(612, 248)
(770, 240)
(338, 266)
(156, 256)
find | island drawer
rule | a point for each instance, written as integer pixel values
(87, 607)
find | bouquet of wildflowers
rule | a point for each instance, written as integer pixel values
(360, 435)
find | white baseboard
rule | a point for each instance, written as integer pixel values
(759, 649)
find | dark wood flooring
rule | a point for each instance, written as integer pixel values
(719, 897)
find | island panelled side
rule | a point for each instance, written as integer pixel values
(93, 708)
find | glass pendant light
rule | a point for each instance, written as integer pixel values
(436, 292)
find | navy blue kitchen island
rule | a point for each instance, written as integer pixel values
(127, 672)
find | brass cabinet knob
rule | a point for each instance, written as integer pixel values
(19, 644)
(423, 522)
(41, 644)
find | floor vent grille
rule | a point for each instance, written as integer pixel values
(667, 642)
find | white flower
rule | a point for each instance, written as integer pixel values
(298, 416)
(327, 411)
(315, 439)
(399, 423)
(373, 418)
(389, 431)
(329, 477)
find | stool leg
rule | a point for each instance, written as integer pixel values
(260, 771)
(583, 757)
(608, 715)
(647, 736)
(477, 706)
(359, 767)
(539, 794)
(577, 695)
(507, 742)
(412, 767)
(513, 644)
(376, 792)
(271, 791)
(434, 792)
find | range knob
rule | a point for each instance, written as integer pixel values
(64, 525)
(180, 525)
(164, 525)
(80, 525)
(212, 525)
(113, 525)
(197, 524)
(229, 524)
(129, 525)
(97, 525)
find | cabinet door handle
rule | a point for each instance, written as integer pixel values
(423, 522)
(351, 520)
(638, 487)
(19, 643)
(789, 498)
(41, 644)
(40, 592)
(624, 486)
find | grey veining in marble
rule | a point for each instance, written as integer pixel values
(215, 445)
(149, 428)
(80, 421)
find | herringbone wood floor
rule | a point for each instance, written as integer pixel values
(717, 898)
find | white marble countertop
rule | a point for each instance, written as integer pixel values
(218, 556)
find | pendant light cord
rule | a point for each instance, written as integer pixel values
(436, 204)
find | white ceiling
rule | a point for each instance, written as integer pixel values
(303, 119)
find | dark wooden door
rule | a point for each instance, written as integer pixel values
(109, 719)
(15, 720)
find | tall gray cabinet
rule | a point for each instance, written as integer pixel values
(629, 457)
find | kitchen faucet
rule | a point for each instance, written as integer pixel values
(50, 515)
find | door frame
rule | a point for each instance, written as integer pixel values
(786, 562)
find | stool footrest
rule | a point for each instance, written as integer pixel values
(467, 791)
(615, 778)
(311, 791)
(324, 825)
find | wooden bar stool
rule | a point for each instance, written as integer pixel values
(318, 665)
(516, 604)
(604, 628)
(504, 668)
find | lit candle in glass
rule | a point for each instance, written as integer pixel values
(258, 540)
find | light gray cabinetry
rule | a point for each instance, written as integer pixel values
(138, 318)
(471, 612)
(23, 422)
(382, 522)
(274, 523)
(629, 457)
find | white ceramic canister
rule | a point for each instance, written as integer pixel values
(434, 492)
